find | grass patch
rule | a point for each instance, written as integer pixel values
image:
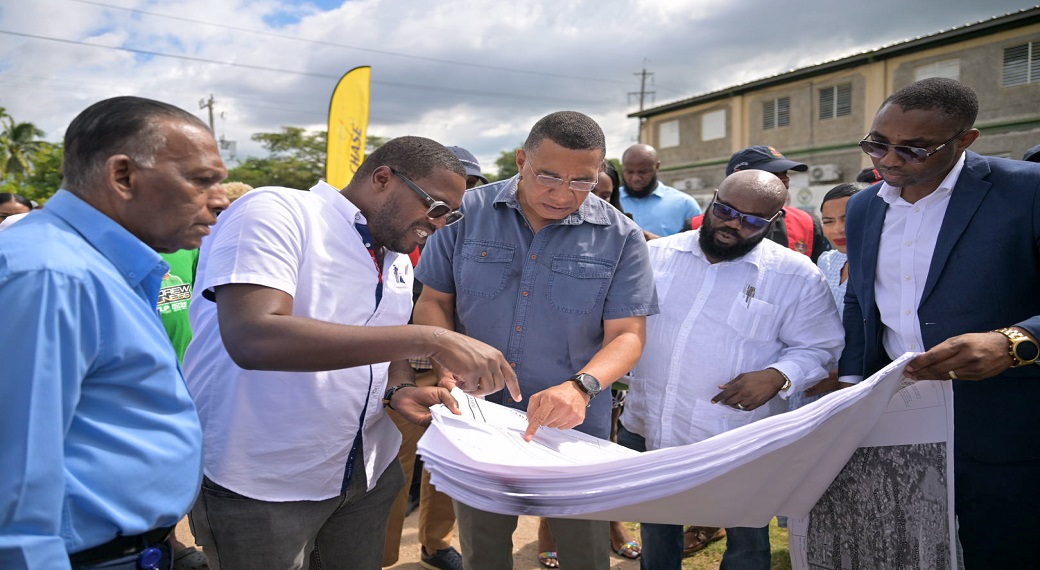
(711, 557)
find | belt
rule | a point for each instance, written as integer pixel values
(120, 546)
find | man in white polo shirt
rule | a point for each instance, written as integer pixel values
(299, 317)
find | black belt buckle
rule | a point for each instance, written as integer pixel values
(144, 545)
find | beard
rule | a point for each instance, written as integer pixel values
(388, 232)
(644, 191)
(738, 249)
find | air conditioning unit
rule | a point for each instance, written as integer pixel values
(824, 173)
(690, 184)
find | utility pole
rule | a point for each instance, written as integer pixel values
(642, 93)
(203, 103)
(643, 75)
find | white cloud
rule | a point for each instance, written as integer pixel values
(474, 73)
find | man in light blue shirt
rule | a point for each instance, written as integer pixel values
(102, 444)
(658, 208)
(562, 285)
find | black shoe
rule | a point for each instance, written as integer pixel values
(444, 559)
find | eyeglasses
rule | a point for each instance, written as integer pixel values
(554, 182)
(749, 221)
(907, 153)
(436, 209)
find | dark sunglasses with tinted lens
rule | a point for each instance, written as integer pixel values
(435, 209)
(749, 221)
(907, 153)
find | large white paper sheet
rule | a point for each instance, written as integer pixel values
(780, 465)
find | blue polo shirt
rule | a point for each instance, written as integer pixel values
(663, 212)
(100, 436)
(541, 298)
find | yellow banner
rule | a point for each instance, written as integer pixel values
(348, 126)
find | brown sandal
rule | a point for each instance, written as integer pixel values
(697, 537)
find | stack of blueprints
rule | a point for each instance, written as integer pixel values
(777, 466)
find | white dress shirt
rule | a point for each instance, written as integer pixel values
(285, 436)
(771, 308)
(908, 239)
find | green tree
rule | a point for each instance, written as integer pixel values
(373, 142)
(18, 143)
(296, 159)
(45, 178)
(506, 164)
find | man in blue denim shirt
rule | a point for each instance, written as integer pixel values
(561, 284)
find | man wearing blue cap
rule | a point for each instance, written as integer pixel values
(474, 177)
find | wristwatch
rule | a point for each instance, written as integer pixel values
(1022, 349)
(588, 384)
(787, 381)
(389, 394)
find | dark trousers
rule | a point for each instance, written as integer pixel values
(998, 513)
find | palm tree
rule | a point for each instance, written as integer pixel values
(18, 142)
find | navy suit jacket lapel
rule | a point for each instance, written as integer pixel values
(965, 199)
(875, 220)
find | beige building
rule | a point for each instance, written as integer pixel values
(818, 114)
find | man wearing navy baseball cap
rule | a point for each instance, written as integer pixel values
(474, 177)
(798, 229)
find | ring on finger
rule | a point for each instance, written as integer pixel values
(953, 375)
(740, 406)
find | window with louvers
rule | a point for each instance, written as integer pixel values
(1021, 65)
(836, 101)
(776, 113)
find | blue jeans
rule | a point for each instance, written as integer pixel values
(746, 548)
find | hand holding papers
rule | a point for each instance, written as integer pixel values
(779, 465)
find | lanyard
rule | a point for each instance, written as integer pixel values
(366, 238)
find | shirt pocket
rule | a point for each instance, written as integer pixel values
(754, 319)
(484, 268)
(578, 283)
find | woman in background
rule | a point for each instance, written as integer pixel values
(834, 265)
(11, 204)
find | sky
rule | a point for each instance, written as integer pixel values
(473, 73)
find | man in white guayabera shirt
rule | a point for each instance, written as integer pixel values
(744, 324)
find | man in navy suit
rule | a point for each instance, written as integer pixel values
(944, 258)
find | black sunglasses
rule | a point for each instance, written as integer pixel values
(436, 209)
(907, 153)
(749, 221)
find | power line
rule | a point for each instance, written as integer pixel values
(467, 91)
(359, 48)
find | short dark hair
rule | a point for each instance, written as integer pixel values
(414, 157)
(841, 191)
(615, 179)
(120, 125)
(953, 98)
(569, 129)
(6, 197)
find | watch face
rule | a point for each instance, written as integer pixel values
(588, 383)
(1026, 351)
